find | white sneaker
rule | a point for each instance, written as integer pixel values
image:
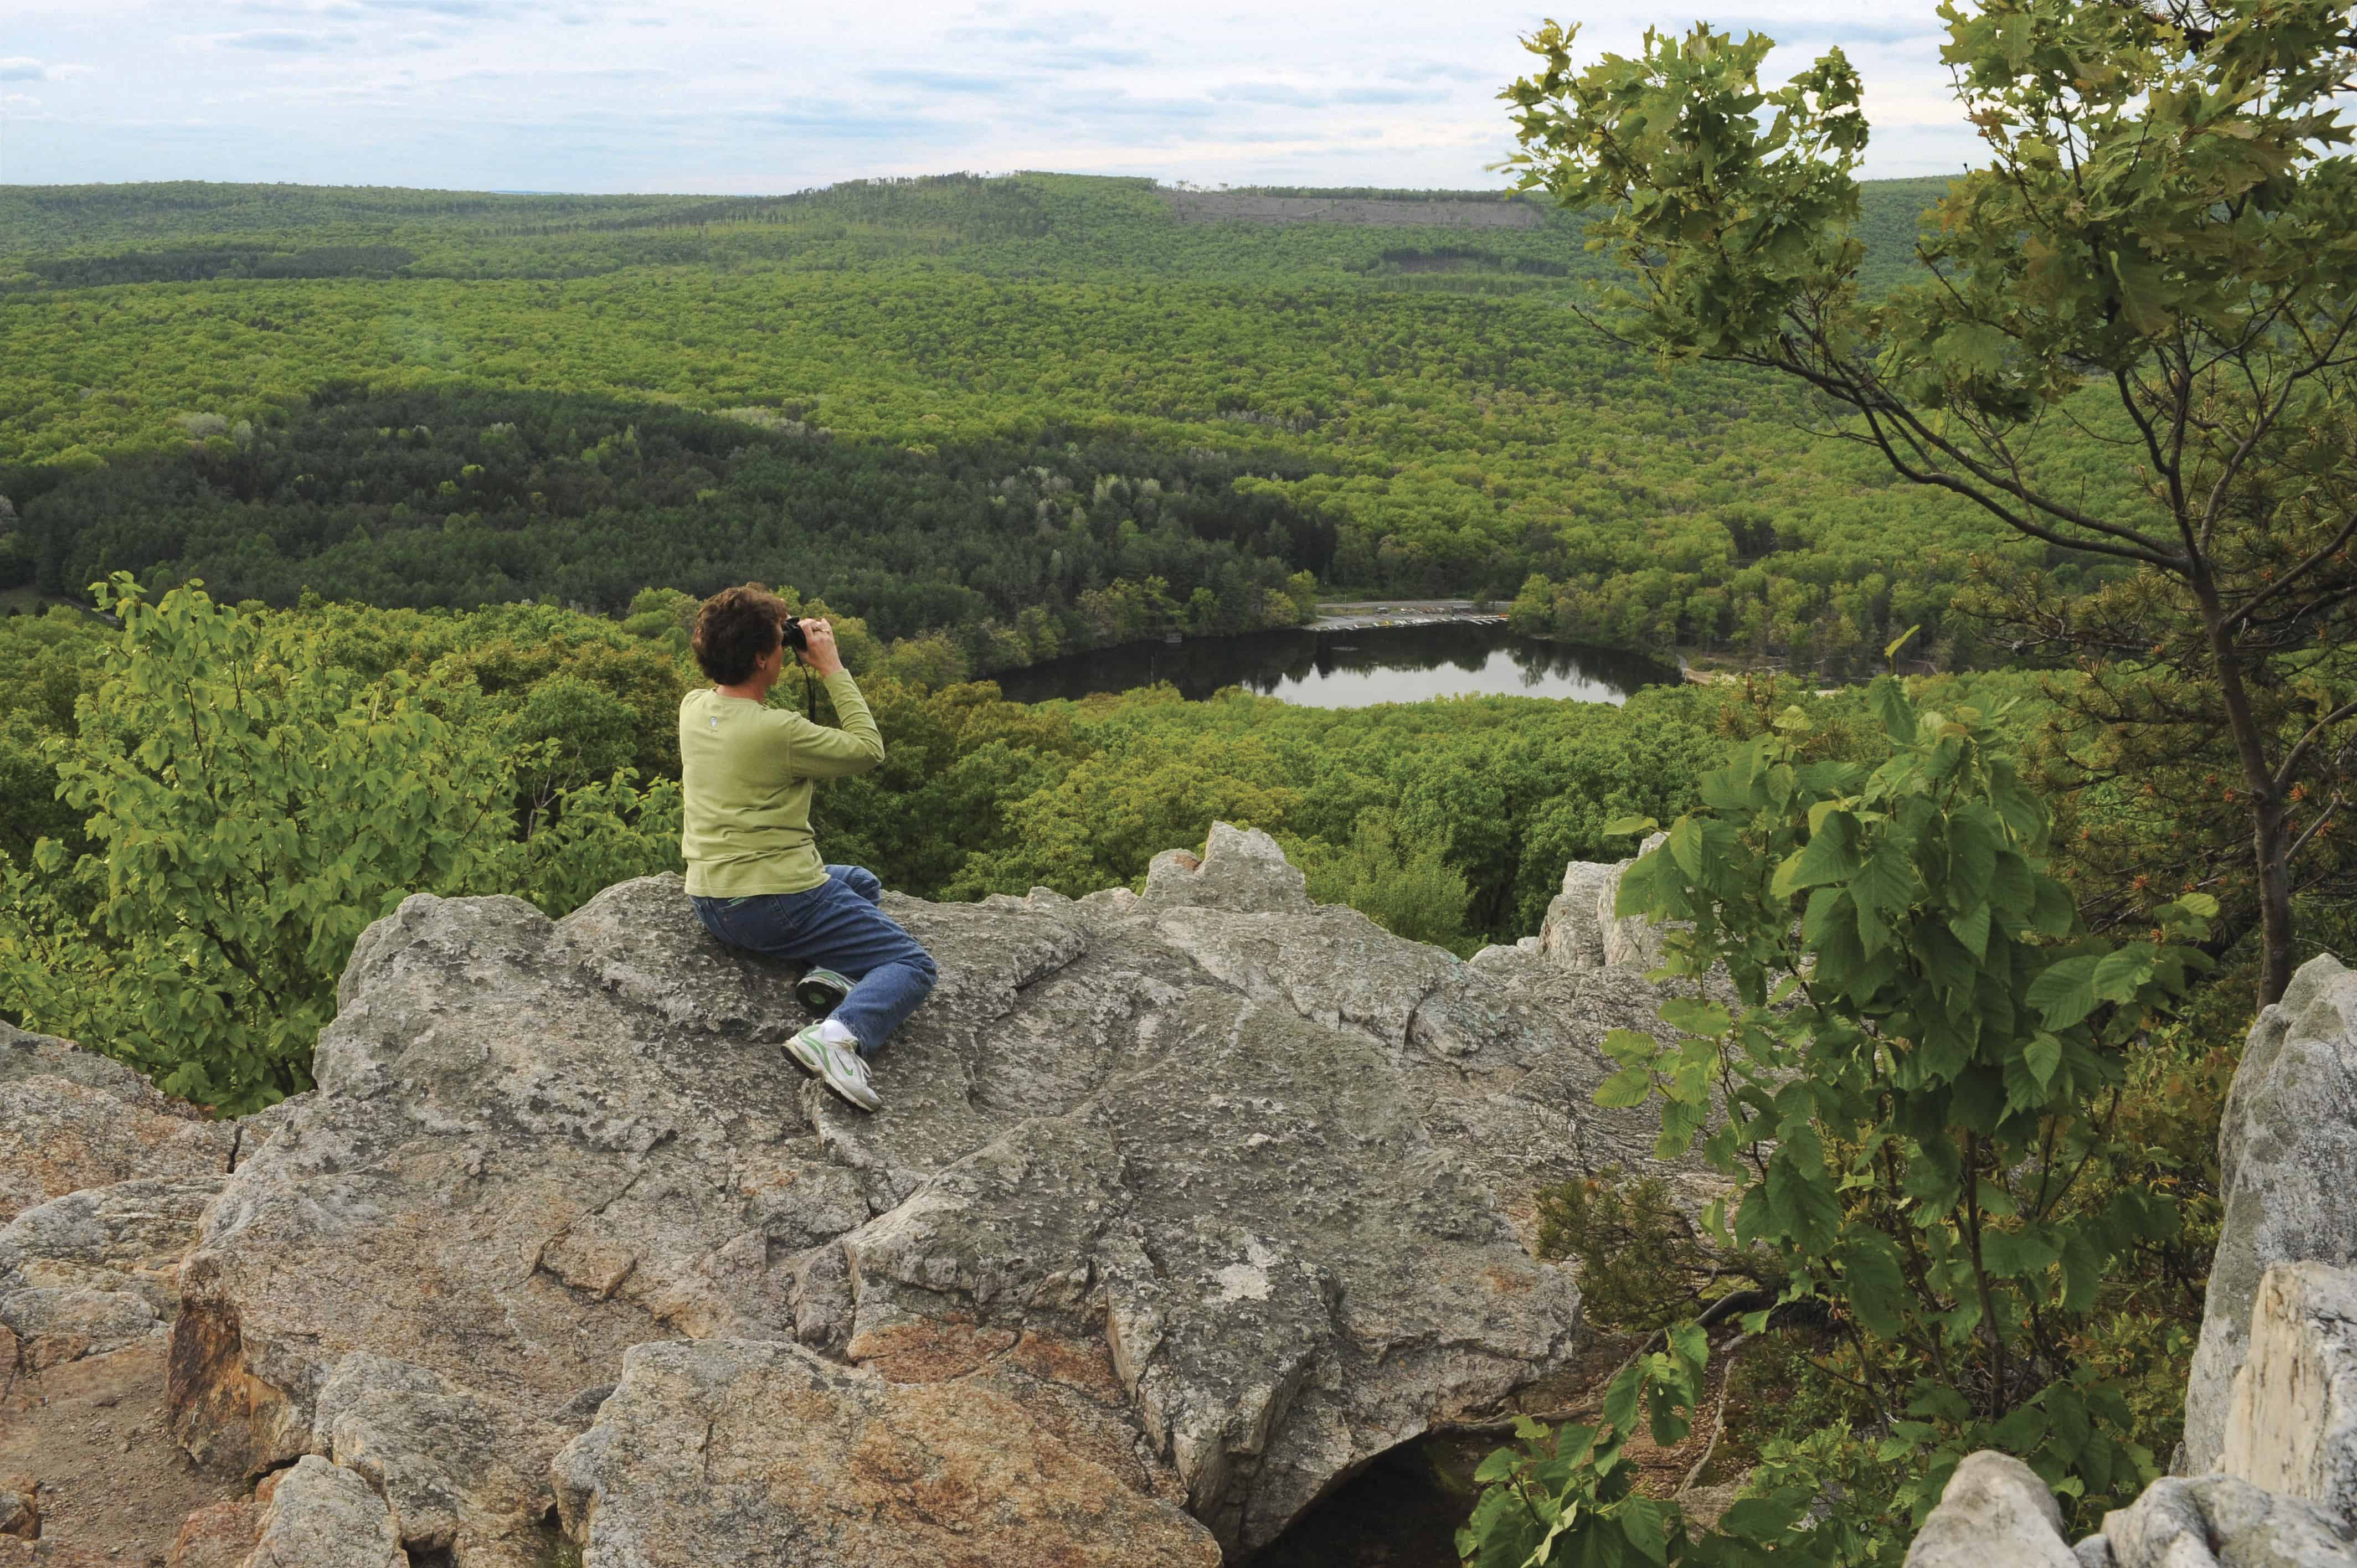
(840, 1068)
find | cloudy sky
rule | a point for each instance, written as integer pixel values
(759, 96)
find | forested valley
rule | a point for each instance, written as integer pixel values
(350, 539)
(1062, 386)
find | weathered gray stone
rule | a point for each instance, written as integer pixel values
(25, 1054)
(733, 1453)
(324, 1517)
(2293, 1424)
(1995, 1511)
(55, 1326)
(2287, 1154)
(1239, 869)
(1572, 936)
(1220, 1188)
(2220, 1522)
(71, 1119)
(1630, 941)
(452, 1474)
(97, 1271)
(125, 1238)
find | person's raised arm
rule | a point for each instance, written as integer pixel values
(816, 751)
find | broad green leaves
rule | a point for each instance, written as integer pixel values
(1831, 855)
(1905, 1121)
(2157, 236)
(1657, 143)
(1564, 1497)
(252, 808)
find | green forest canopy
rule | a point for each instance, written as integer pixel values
(276, 388)
(982, 421)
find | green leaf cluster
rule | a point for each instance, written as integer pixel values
(248, 806)
(1565, 1496)
(1905, 1055)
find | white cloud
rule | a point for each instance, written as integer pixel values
(750, 95)
(21, 68)
(283, 41)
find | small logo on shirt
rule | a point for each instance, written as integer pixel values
(715, 724)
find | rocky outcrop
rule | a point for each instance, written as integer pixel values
(103, 1183)
(1582, 929)
(723, 1451)
(71, 1120)
(1572, 935)
(2292, 1427)
(2287, 1158)
(323, 1515)
(1994, 1510)
(96, 1271)
(2217, 1521)
(1204, 1197)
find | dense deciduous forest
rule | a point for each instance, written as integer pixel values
(454, 469)
(395, 395)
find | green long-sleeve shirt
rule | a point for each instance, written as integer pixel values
(747, 772)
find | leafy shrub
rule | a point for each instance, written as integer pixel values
(1644, 1263)
(1566, 1496)
(1915, 1097)
(250, 807)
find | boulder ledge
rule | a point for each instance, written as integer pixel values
(1183, 1206)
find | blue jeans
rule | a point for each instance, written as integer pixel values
(837, 926)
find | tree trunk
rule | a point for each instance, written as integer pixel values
(2267, 808)
(2275, 899)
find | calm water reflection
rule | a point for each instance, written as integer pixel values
(1349, 669)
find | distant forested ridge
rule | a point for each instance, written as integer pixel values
(941, 402)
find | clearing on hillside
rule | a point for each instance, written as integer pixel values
(1371, 213)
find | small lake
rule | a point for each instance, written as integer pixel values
(1349, 669)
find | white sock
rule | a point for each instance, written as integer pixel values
(835, 1034)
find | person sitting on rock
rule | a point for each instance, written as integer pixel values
(753, 868)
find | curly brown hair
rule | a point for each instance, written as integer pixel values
(735, 630)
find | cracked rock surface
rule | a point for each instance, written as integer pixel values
(762, 1451)
(2287, 1154)
(71, 1119)
(1207, 1195)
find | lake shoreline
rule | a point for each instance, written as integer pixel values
(1409, 657)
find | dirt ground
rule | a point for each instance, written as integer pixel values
(114, 1489)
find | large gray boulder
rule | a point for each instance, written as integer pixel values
(1572, 935)
(1995, 1511)
(723, 1453)
(1217, 1191)
(2220, 1521)
(71, 1119)
(1582, 929)
(2288, 1154)
(97, 1271)
(323, 1515)
(2293, 1424)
